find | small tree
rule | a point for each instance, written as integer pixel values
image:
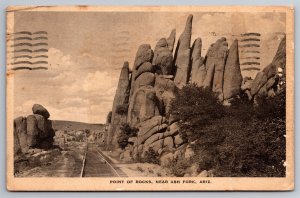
(126, 132)
(195, 107)
(151, 156)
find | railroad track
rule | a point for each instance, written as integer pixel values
(95, 164)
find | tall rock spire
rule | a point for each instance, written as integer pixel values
(183, 54)
(232, 74)
(119, 105)
(216, 57)
(198, 72)
(171, 40)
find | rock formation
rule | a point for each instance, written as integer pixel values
(157, 77)
(216, 58)
(120, 106)
(266, 81)
(39, 109)
(232, 74)
(183, 54)
(33, 131)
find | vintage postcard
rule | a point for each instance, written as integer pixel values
(183, 98)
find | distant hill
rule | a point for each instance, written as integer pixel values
(72, 125)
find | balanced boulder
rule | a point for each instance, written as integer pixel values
(39, 109)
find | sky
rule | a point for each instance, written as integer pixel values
(86, 52)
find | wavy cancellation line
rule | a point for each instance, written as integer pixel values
(29, 68)
(30, 63)
(30, 38)
(250, 63)
(30, 51)
(251, 34)
(30, 57)
(29, 44)
(30, 33)
(251, 68)
(251, 57)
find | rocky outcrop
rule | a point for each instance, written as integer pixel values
(216, 58)
(232, 74)
(33, 131)
(143, 55)
(143, 105)
(183, 54)
(165, 91)
(157, 77)
(265, 83)
(198, 72)
(120, 105)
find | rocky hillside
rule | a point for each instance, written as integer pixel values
(144, 95)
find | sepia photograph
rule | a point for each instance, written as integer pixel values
(150, 98)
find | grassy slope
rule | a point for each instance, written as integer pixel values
(71, 125)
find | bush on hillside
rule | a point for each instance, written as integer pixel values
(122, 109)
(151, 156)
(126, 132)
(195, 107)
(240, 140)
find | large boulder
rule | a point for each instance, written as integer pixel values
(165, 91)
(163, 62)
(163, 57)
(145, 135)
(178, 140)
(143, 105)
(157, 145)
(145, 79)
(168, 142)
(32, 130)
(232, 74)
(216, 57)
(149, 124)
(154, 138)
(144, 54)
(183, 54)
(20, 135)
(39, 109)
(44, 126)
(150, 127)
(145, 67)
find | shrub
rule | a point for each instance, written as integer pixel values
(178, 167)
(240, 140)
(126, 132)
(151, 156)
(108, 117)
(195, 107)
(122, 109)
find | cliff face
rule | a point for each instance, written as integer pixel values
(156, 78)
